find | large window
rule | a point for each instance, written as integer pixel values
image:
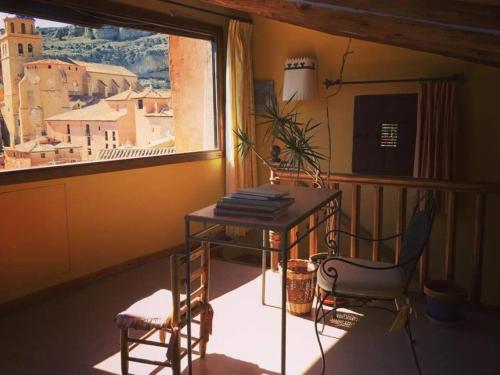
(138, 93)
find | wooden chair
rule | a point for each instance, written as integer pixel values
(165, 311)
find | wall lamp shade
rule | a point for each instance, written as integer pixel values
(300, 81)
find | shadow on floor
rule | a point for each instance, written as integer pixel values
(218, 364)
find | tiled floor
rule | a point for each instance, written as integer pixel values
(75, 333)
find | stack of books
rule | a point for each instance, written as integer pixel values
(261, 202)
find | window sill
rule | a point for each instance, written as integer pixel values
(86, 168)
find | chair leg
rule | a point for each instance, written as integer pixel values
(124, 350)
(412, 344)
(203, 335)
(176, 361)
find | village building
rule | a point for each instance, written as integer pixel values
(42, 151)
(36, 88)
(129, 119)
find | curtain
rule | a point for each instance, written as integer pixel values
(240, 173)
(436, 136)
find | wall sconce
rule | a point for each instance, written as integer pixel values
(300, 79)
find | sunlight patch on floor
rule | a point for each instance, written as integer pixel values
(246, 336)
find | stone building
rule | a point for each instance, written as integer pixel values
(35, 88)
(130, 119)
(41, 151)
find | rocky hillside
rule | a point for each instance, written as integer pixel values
(142, 52)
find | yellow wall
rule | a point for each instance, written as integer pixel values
(57, 230)
(478, 158)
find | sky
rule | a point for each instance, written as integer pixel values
(38, 21)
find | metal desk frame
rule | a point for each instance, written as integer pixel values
(330, 207)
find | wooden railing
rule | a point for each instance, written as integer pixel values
(479, 191)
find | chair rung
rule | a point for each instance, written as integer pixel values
(150, 362)
(147, 342)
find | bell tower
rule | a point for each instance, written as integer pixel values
(19, 44)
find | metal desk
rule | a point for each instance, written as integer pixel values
(308, 201)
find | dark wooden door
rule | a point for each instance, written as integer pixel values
(385, 128)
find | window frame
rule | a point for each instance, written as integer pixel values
(151, 21)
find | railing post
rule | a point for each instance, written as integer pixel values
(449, 261)
(377, 218)
(355, 202)
(400, 221)
(478, 249)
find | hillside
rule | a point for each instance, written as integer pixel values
(142, 52)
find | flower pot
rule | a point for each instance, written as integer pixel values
(300, 285)
(444, 301)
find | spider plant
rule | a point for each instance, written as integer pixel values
(295, 138)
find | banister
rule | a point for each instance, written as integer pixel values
(479, 190)
(407, 182)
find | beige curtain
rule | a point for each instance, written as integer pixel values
(240, 172)
(436, 136)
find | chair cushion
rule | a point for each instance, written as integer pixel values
(148, 313)
(360, 282)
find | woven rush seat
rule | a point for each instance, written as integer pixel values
(363, 283)
(152, 312)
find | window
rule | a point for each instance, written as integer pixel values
(56, 151)
(177, 99)
(42, 155)
(70, 150)
(89, 151)
(12, 27)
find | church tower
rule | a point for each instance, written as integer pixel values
(19, 44)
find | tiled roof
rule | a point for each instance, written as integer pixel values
(133, 152)
(42, 144)
(49, 61)
(105, 68)
(124, 95)
(97, 112)
(151, 93)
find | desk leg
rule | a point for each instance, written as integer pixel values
(265, 239)
(188, 294)
(284, 253)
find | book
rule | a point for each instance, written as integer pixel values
(248, 207)
(264, 192)
(283, 202)
(249, 214)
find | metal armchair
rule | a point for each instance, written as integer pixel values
(366, 281)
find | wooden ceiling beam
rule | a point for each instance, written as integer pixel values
(450, 12)
(410, 31)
